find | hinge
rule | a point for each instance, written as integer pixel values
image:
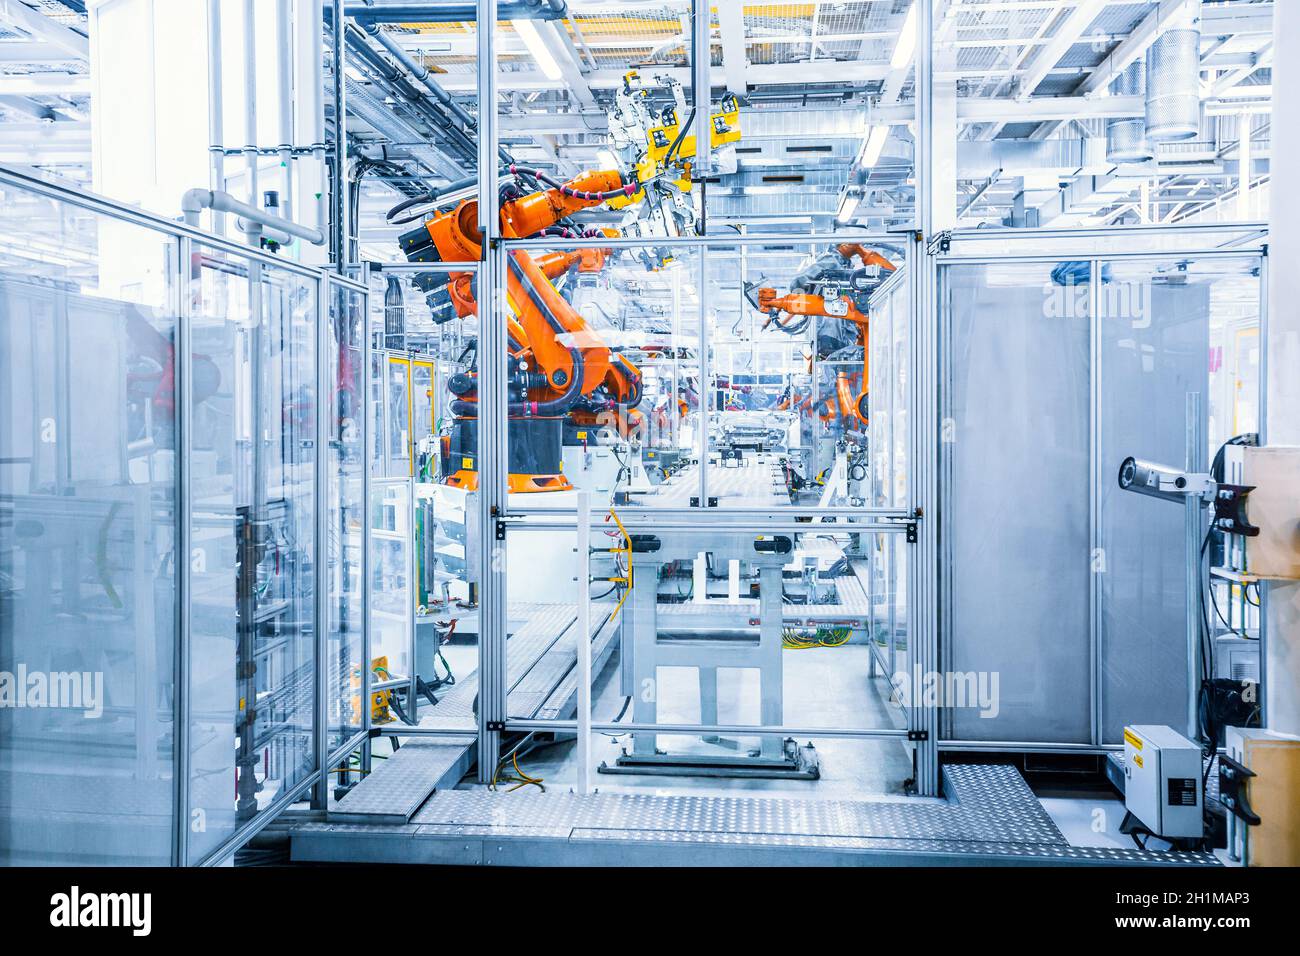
(500, 530)
(918, 735)
(911, 532)
(498, 725)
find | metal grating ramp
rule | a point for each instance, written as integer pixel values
(990, 817)
(398, 785)
(541, 657)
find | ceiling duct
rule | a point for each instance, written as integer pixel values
(1173, 86)
(1126, 139)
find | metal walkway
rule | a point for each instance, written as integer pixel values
(541, 673)
(989, 817)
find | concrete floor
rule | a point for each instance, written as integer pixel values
(823, 687)
(1089, 821)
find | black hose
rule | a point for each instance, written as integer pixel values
(552, 408)
(628, 189)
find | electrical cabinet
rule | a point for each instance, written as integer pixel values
(1163, 786)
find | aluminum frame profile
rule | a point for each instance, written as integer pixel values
(923, 457)
(184, 359)
(492, 415)
(493, 502)
(320, 568)
(186, 238)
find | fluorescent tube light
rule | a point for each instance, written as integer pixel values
(906, 41)
(527, 31)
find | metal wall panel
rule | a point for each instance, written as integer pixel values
(1015, 522)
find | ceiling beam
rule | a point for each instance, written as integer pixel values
(43, 28)
(70, 130)
(1135, 45)
(28, 107)
(1226, 81)
(29, 51)
(45, 84)
(556, 40)
(1068, 33)
(766, 74)
(972, 109)
(731, 27)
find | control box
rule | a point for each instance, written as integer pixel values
(1163, 781)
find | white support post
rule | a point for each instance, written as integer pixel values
(583, 638)
(1244, 160)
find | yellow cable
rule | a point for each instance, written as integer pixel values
(628, 551)
(525, 780)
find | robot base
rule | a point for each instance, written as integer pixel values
(797, 763)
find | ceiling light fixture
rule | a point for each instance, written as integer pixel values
(527, 31)
(906, 41)
(873, 147)
(847, 205)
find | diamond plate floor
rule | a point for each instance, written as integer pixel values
(989, 817)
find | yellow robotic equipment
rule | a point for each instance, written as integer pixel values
(661, 146)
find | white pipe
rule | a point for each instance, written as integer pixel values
(317, 93)
(1244, 160)
(284, 41)
(250, 97)
(253, 222)
(216, 119)
(583, 638)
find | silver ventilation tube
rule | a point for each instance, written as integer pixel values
(1126, 139)
(1173, 86)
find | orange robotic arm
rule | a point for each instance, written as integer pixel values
(813, 304)
(806, 303)
(550, 334)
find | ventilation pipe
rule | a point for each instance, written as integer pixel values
(284, 40)
(257, 224)
(1173, 83)
(1126, 139)
(216, 131)
(250, 104)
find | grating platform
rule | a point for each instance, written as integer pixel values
(989, 817)
(540, 657)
